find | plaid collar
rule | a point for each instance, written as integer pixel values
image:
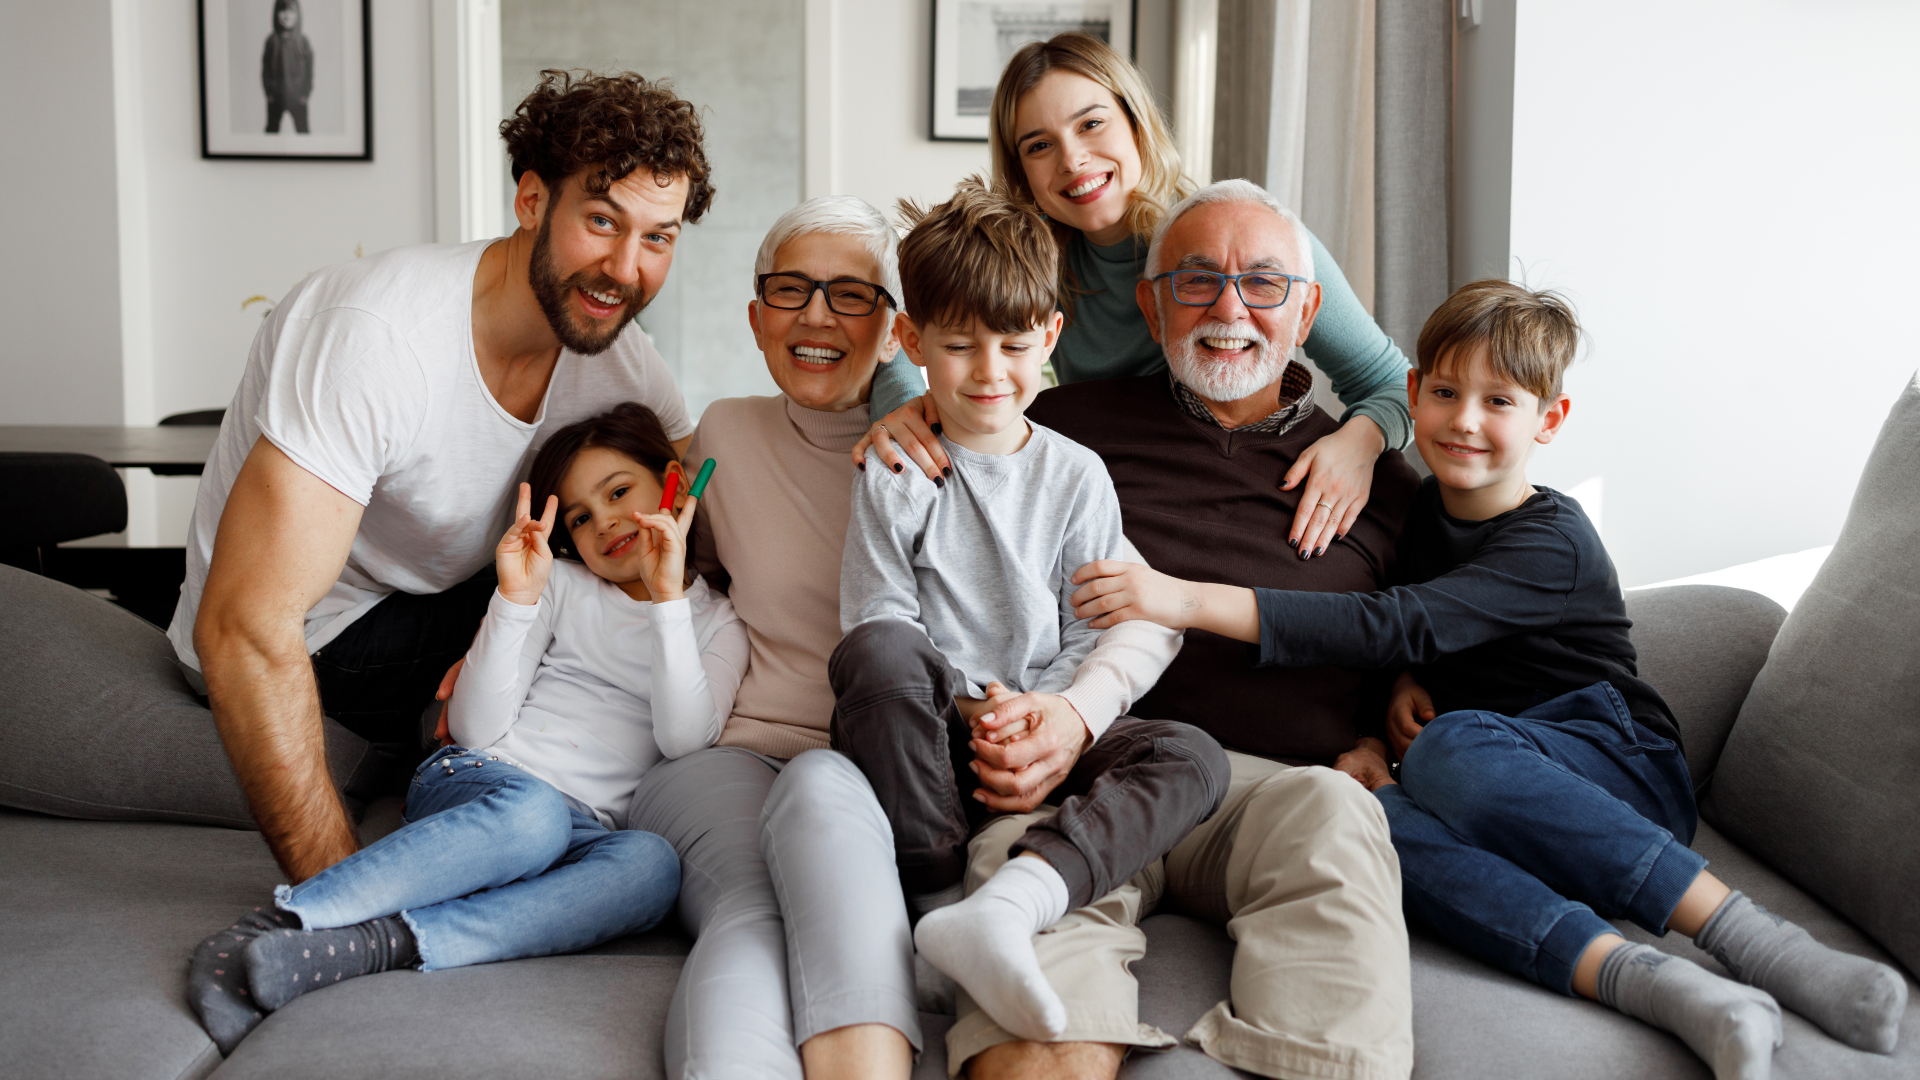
(1296, 402)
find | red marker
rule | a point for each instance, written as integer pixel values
(673, 485)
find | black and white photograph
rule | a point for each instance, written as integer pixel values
(285, 79)
(974, 39)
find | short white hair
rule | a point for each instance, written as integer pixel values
(1234, 191)
(842, 215)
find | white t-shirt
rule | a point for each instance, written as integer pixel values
(365, 376)
(589, 688)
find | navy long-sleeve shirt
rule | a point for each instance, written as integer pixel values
(1500, 615)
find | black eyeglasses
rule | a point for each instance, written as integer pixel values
(1259, 289)
(845, 296)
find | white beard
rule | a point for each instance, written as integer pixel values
(1226, 380)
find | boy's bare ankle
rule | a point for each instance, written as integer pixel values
(1047, 1061)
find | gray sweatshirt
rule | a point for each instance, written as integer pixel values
(984, 564)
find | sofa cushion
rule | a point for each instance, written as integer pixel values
(96, 720)
(1818, 775)
(1472, 1021)
(101, 917)
(1700, 646)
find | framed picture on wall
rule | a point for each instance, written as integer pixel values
(286, 79)
(974, 39)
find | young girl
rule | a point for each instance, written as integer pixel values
(583, 675)
(1075, 131)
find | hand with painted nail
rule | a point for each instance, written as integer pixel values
(1337, 472)
(908, 433)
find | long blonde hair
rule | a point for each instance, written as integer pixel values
(1162, 182)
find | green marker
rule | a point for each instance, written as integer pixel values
(699, 487)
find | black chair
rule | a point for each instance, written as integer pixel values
(56, 498)
(198, 418)
(62, 497)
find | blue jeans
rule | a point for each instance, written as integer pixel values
(1519, 836)
(494, 864)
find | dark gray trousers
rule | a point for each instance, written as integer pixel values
(1136, 792)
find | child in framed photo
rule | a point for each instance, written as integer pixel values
(286, 68)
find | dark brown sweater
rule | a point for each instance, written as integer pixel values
(1205, 504)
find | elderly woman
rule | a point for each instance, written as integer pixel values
(821, 917)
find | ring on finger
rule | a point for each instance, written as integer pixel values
(883, 429)
(1326, 505)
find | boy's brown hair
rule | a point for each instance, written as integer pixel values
(1531, 336)
(611, 125)
(979, 256)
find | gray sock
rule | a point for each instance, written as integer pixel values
(1733, 1028)
(217, 977)
(1852, 998)
(287, 963)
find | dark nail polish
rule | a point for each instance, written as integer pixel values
(1293, 543)
(1305, 554)
(1321, 550)
(862, 464)
(1337, 537)
(896, 466)
(939, 482)
(936, 428)
(946, 470)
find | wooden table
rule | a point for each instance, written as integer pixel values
(175, 451)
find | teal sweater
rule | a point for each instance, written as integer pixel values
(1108, 339)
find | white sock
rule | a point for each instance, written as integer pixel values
(985, 943)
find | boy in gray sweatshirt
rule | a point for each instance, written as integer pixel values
(962, 655)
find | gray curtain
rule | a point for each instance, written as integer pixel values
(1413, 77)
(1243, 90)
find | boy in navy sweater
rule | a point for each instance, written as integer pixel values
(1542, 788)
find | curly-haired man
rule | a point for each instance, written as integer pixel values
(338, 554)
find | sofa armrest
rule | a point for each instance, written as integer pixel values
(1701, 646)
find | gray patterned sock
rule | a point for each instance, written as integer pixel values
(283, 965)
(1851, 997)
(217, 977)
(1733, 1028)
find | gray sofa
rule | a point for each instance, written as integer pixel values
(123, 840)
(101, 915)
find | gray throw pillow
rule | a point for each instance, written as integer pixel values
(1701, 646)
(97, 722)
(1821, 776)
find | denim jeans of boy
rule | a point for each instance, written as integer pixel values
(1519, 836)
(494, 864)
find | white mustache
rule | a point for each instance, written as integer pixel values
(1217, 329)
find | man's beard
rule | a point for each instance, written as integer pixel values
(552, 295)
(1229, 379)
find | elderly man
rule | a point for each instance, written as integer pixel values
(1297, 863)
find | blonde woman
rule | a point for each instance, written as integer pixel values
(1075, 131)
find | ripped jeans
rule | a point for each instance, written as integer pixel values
(494, 863)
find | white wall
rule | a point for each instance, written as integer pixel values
(59, 286)
(747, 83)
(213, 233)
(1726, 192)
(221, 231)
(876, 112)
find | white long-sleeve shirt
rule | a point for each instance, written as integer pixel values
(589, 688)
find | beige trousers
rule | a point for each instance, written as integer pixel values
(1298, 866)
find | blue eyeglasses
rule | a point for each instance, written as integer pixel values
(1201, 288)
